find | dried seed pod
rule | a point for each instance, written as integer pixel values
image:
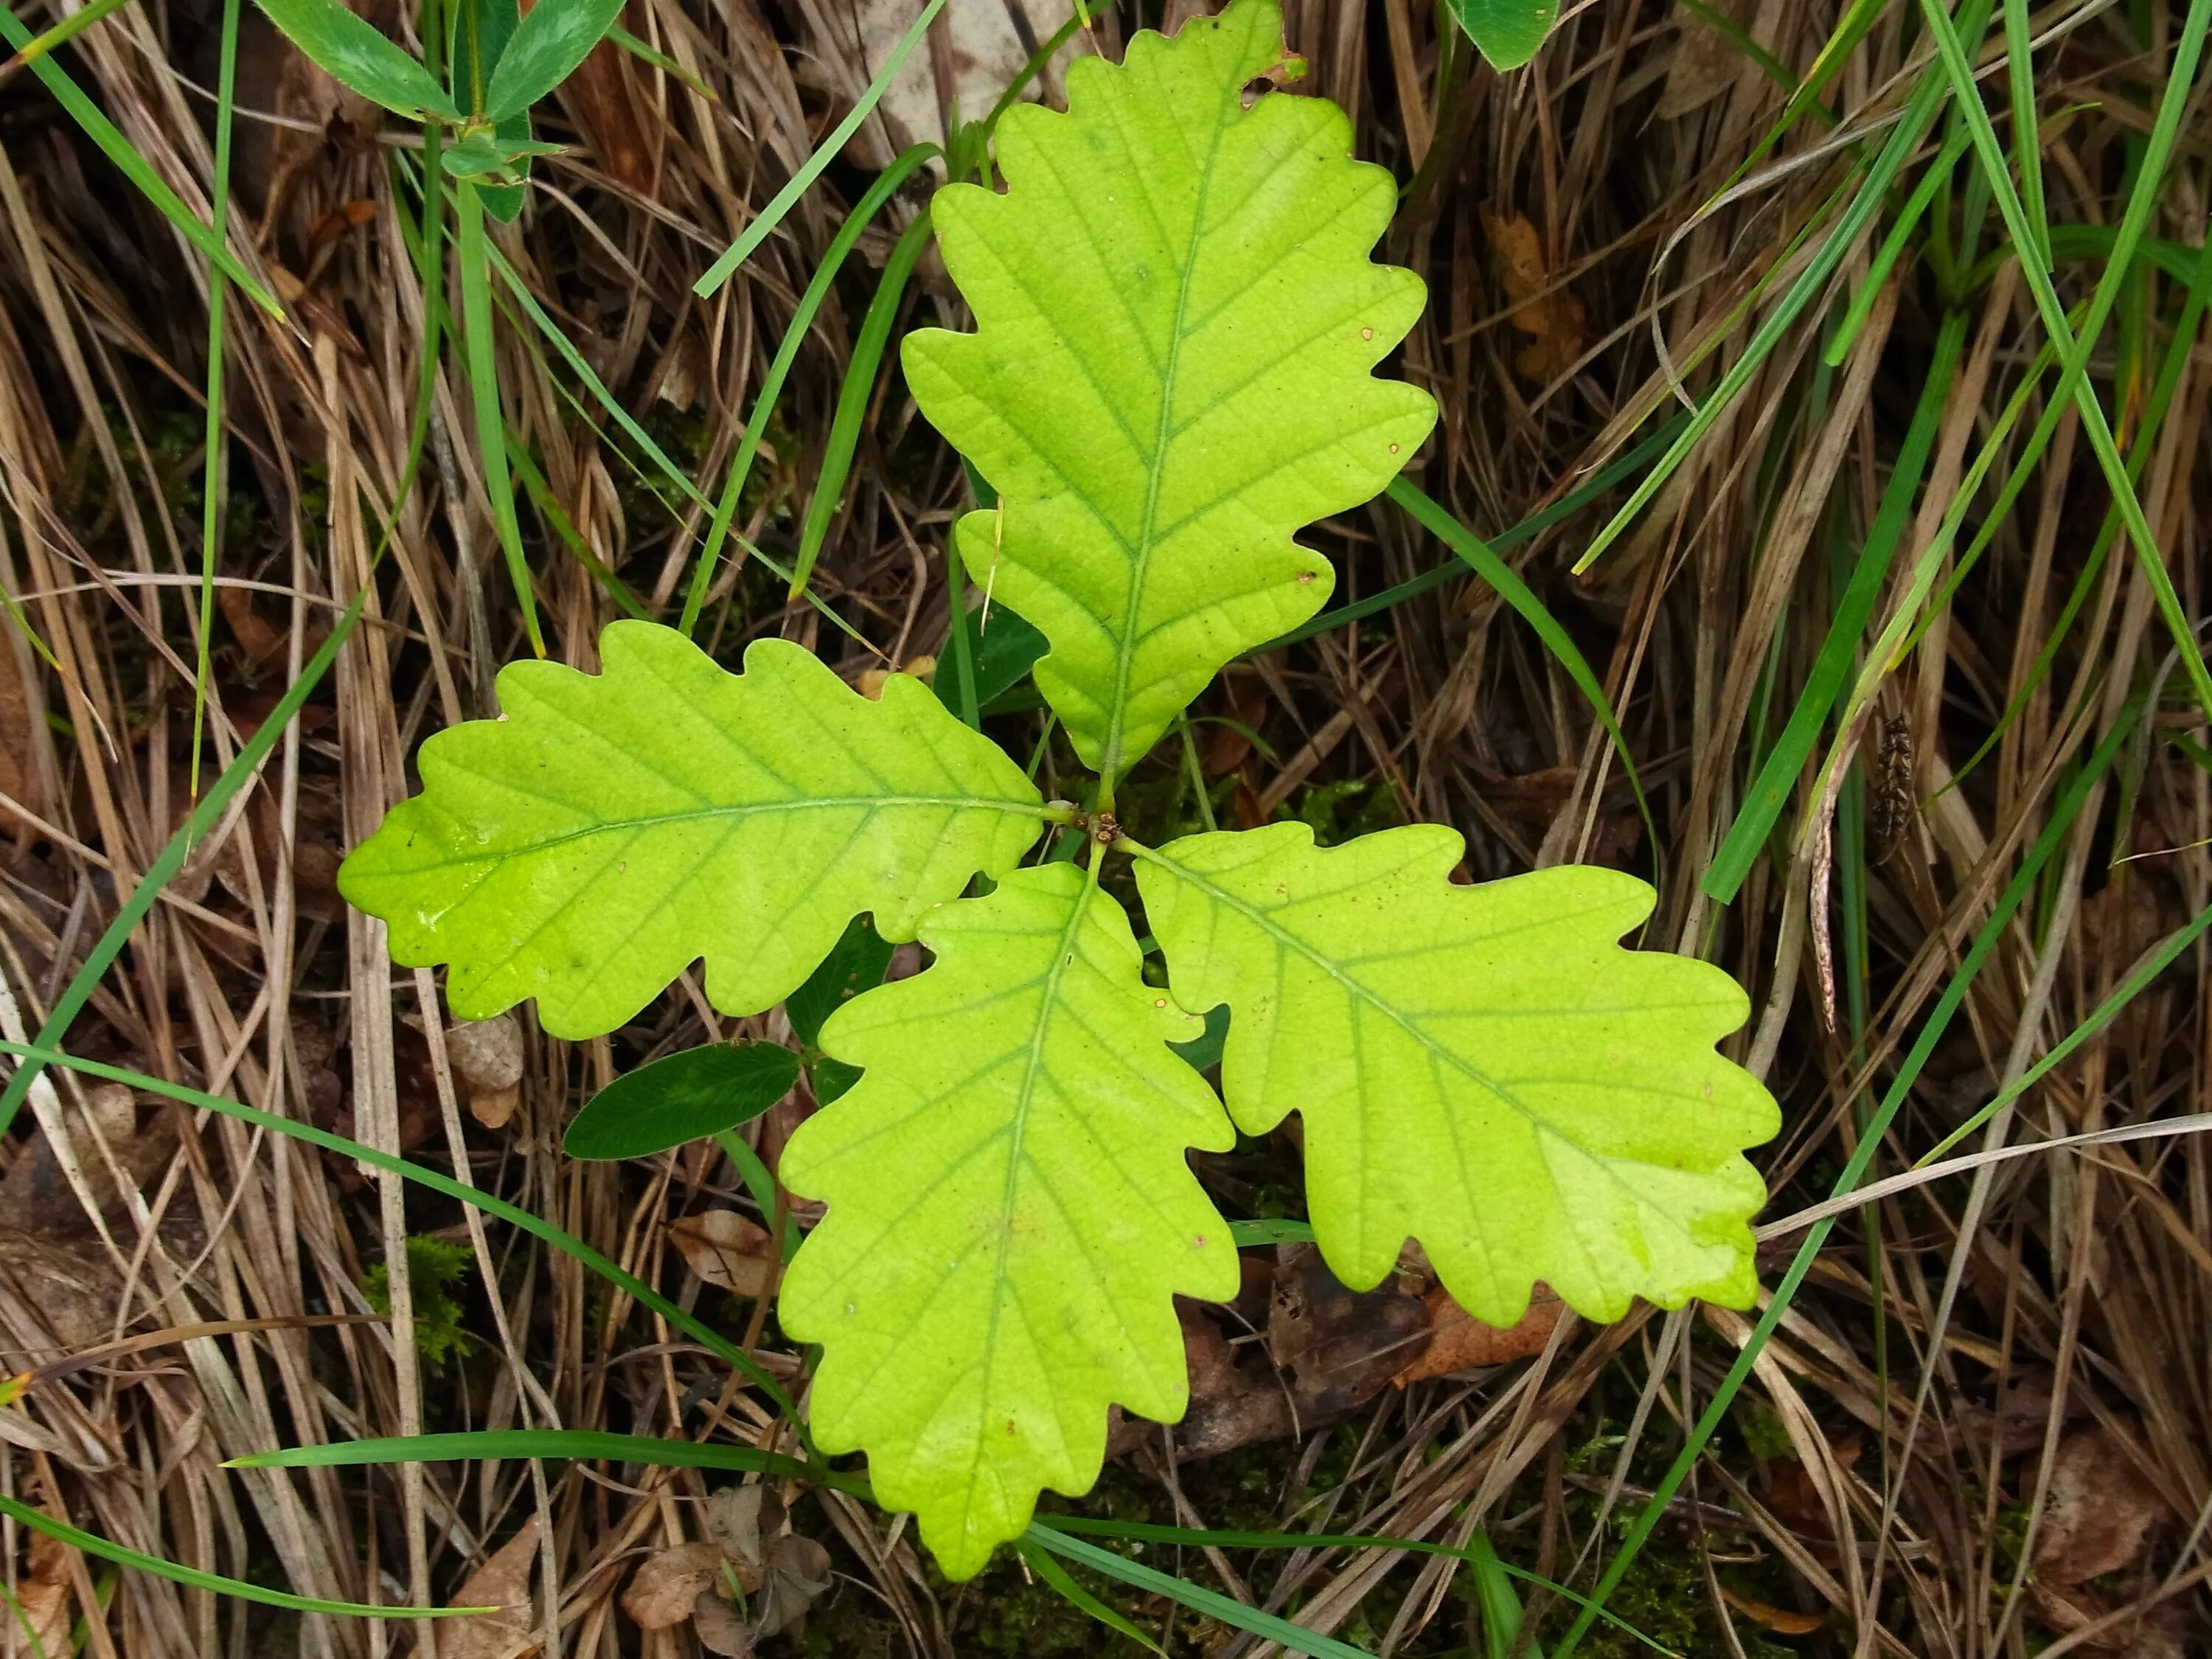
(1890, 801)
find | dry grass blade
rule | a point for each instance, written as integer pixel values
(1979, 1421)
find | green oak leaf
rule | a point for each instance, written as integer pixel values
(1010, 1212)
(1177, 321)
(612, 828)
(1483, 1068)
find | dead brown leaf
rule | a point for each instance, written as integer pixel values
(262, 643)
(1705, 63)
(19, 760)
(486, 1055)
(744, 1521)
(1341, 1344)
(721, 1629)
(604, 97)
(1782, 1621)
(1552, 315)
(1459, 1341)
(727, 1250)
(2099, 1511)
(503, 1584)
(45, 1609)
(665, 1586)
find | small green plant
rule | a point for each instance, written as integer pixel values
(1178, 322)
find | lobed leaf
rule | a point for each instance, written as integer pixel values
(1483, 1068)
(1176, 323)
(356, 53)
(612, 828)
(1010, 1212)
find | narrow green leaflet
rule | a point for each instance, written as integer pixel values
(477, 35)
(353, 51)
(612, 828)
(1010, 1212)
(1177, 319)
(1483, 1068)
(553, 37)
(1507, 33)
(682, 1098)
(858, 964)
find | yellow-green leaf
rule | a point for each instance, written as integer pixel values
(1011, 1214)
(1177, 321)
(612, 828)
(1483, 1068)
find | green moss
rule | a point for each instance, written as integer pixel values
(435, 1268)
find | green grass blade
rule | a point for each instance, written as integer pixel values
(2198, 278)
(548, 507)
(127, 161)
(63, 32)
(1893, 247)
(1041, 1562)
(2026, 130)
(584, 371)
(483, 363)
(854, 396)
(2152, 966)
(2074, 382)
(1526, 530)
(2063, 813)
(164, 867)
(1866, 200)
(1770, 791)
(1485, 563)
(772, 215)
(40, 1054)
(1291, 1637)
(802, 319)
(572, 1445)
(192, 1577)
(1501, 1606)
(211, 486)
(1147, 1532)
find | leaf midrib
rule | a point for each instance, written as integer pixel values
(1063, 956)
(1111, 758)
(713, 814)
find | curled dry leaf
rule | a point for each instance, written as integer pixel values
(1705, 63)
(797, 1575)
(727, 1250)
(20, 777)
(744, 1521)
(721, 1628)
(1458, 1341)
(44, 1609)
(1340, 1345)
(486, 1055)
(1552, 315)
(665, 1586)
(2100, 1508)
(503, 1584)
(1782, 1621)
